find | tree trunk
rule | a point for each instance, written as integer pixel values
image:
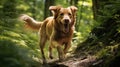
(95, 8)
(73, 2)
(48, 3)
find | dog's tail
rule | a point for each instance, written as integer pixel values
(30, 22)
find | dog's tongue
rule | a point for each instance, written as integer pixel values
(66, 28)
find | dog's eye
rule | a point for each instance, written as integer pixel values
(69, 14)
(61, 14)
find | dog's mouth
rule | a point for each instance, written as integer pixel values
(66, 27)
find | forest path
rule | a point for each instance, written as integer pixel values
(75, 61)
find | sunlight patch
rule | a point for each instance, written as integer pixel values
(85, 3)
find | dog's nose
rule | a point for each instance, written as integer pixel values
(66, 21)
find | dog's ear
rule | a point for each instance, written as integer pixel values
(74, 9)
(54, 9)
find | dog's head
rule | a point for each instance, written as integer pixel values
(65, 17)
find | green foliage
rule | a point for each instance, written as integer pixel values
(64, 3)
(107, 9)
(84, 22)
(104, 40)
(17, 48)
(8, 13)
(15, 51)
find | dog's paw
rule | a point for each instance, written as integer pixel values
(51, 57)
(61, 60)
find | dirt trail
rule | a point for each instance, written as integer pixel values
(82, 61)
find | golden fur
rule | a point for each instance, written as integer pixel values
(58, 29)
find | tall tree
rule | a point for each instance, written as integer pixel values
(73, 2)
(48, 3)
(96, 6)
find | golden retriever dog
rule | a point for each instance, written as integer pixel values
(58, 29)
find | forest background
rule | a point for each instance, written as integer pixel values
(97, 31)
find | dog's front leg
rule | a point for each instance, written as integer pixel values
(60, 53)
(67, 47)
(50, 52)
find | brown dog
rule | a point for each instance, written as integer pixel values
(58, 29)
